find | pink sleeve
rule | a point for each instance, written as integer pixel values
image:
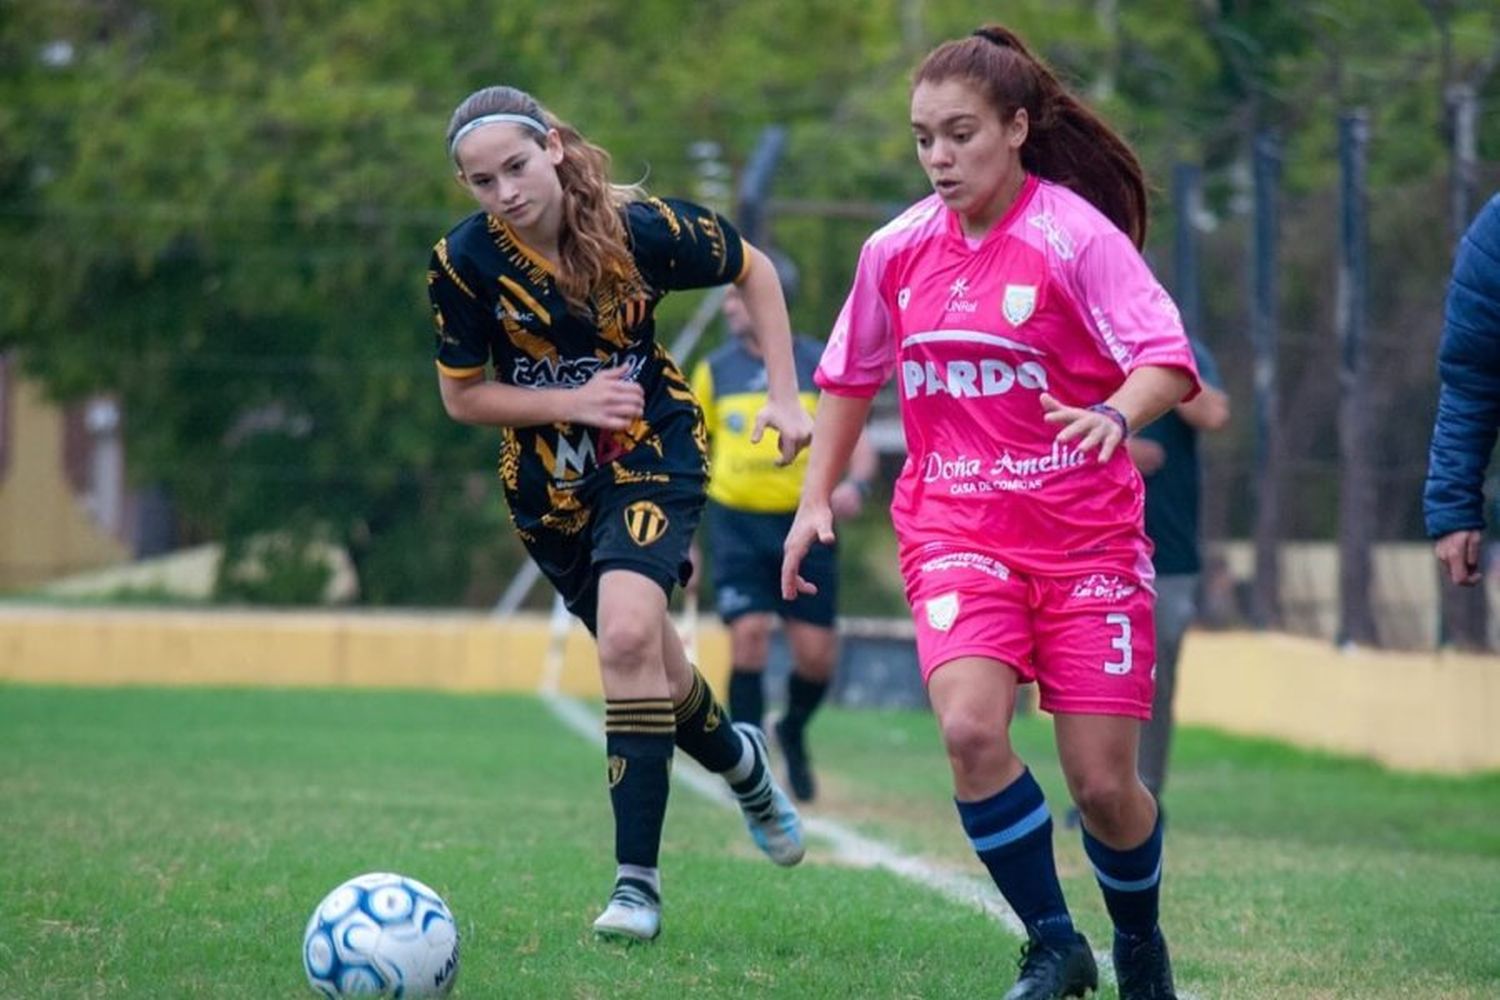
(1131, 315)
(861, 352)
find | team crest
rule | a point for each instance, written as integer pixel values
(1019, 303)
(645, 521)
(942, 611)
(616, 770)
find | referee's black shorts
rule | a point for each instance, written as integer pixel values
(746, 547)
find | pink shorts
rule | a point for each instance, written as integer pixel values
(1087, 640)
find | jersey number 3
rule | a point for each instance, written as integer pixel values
(1120, 642)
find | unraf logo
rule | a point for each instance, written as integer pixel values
(957, 301)
(966, 379)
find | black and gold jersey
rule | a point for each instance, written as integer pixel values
(496, 306)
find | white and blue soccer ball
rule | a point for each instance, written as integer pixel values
(381, 935)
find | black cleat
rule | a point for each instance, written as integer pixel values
(1051, 972)
(1143, 968)
(799, 776)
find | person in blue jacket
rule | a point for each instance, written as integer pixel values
(1468, 413)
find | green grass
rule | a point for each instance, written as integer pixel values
(171, 843)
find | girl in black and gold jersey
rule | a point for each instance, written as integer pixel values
(544, 306)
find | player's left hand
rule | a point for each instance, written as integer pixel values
(792, 424)
(1089, 428)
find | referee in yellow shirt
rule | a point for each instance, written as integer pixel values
(751, 501)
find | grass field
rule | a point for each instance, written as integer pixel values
(171, 843)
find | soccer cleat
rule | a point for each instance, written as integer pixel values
(1143, 968)
(799, 774)
(1049, 972)
(632, 915)
(769, 814)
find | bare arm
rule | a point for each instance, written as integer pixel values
(838, 427)
(848, 497)
(1207, 411)
(766, 307)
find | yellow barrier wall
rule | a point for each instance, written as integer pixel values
(1422, 711)
(452, 652)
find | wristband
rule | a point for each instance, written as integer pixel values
(1113, 414)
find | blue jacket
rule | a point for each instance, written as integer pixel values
(1469, 372)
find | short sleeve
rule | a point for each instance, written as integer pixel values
(703, 388)
(861, 352)
(1126, 308)
(679, 245)
(462, 322)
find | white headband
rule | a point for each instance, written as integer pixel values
(495, 119)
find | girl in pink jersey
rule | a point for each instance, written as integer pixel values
(1028, 338)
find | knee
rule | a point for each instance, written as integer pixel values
(817, 668)
(750, 639)
(628, 644)
(1104, 796)
(974, 743)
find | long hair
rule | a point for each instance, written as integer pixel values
(1066, 143)
(592, 242)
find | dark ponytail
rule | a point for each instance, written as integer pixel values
(1066, 143)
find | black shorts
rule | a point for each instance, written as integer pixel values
(747, 551)
(645, 527)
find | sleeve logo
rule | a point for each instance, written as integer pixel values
(645, 522)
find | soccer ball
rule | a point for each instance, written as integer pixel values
(381, 935)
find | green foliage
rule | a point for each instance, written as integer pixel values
(222, 213)
(273, 569)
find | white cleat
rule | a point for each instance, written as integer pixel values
(629, 917)
(778, 831)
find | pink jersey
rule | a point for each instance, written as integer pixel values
(1055, 298)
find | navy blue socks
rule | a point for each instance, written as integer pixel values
(1012, 833)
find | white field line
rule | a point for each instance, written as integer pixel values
(849, 846)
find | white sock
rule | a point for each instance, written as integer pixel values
(640, 873)
(746, 765)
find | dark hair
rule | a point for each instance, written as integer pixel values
(592, 243)
(1066, 143)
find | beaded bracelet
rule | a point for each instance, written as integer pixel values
(1113, 414)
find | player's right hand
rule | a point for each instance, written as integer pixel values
(813, 523)
(1458, 551)
(609, 400)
